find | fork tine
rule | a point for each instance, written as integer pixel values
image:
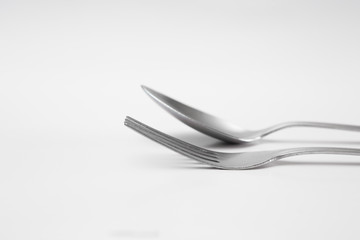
(182, 152)
(175, 140)
(172, 146)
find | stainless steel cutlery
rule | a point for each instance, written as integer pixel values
(222, 160)
(228, 132)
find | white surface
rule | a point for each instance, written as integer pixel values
(71, 71)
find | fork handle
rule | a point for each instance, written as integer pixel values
(316, 150)
(334, 126)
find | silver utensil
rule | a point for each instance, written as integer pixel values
(228, 132)
(222, 160)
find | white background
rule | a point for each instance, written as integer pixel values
(70, 71)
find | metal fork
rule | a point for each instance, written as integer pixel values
(222, 160)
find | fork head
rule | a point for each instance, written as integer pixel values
(244, 160)
(201, 155)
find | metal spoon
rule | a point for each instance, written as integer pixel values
(223, 130)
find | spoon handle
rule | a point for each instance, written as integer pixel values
(334, 126)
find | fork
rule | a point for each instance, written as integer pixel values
(223, 130)
(223, 160)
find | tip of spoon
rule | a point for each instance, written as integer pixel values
(149, 91)
(144, 87)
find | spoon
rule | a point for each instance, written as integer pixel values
(223, 130)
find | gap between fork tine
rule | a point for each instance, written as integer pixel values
(170, 138)
(188, 153)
